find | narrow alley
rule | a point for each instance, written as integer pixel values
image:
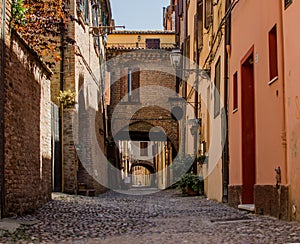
(163, 217)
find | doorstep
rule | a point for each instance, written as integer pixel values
(247, 207)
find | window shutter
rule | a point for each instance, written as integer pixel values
(217, 88)
(208, 13)
(196, 38)
(200, 25)
(177, 24)
(86, 11)
(180, 4)
(135, 85)
(123, 85)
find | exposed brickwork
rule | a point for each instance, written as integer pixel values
(27, 129)
(80, 73)
(272, 201)
(70, 165)
(157, 84)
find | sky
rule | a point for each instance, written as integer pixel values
(139, 14)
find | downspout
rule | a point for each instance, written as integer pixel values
(281, 43)
(184, 90)
(61, 129)
(225, 154)
(2, 119)
(184, 85)
(101, 77)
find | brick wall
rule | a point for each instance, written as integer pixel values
(81, 73)
(157, 84)
(27, 129)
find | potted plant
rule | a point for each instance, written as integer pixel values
(201, 159)
(191, 184)
(67, 98)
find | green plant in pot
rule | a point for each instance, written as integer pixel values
(191, 184)
(201, 159)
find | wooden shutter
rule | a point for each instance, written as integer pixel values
(86, 11)
(177, 24)
(180, 9)
(200, 24)
(208, 13)
(196, 38)
(217, 88)
(135, 85)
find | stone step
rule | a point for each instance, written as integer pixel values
(247, 207)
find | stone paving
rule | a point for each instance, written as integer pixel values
(163, 217)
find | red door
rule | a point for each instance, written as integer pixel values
(248, 130)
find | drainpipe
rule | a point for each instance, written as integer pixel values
(184, 85)
(225, 154)
(2, 119)
(61, 129)
(281, 44)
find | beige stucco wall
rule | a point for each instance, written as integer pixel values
(131, 37)
(210, 125)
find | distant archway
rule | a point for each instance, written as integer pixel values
(149, 166)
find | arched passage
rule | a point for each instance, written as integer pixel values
(150, 167)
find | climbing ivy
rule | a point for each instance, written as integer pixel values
(18, 13)
(40, 23)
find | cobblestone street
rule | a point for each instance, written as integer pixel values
(163, 217)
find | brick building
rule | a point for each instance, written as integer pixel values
(140, 121)
(81, 71)
(25, 138)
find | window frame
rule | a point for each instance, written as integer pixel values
(273, 54)
(217, 87)
(235, 86)
(144, 152)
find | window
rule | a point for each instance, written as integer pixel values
(187, 54)
(273, 62)
(287, 3)
(152, 43)
(196, 38)
(133, 83)
(208, 13)
(235, 91)
(217, 88)
(200, 24)
(144, 148)
(79, 6)
(129, 84)
(86, 11)
(95, 22)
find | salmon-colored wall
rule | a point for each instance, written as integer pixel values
(251, 23)
(292, 84)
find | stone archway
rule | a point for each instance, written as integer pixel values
(147, 165)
